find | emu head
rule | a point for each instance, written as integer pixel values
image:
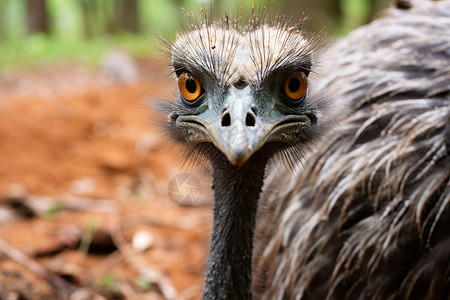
(245, 89)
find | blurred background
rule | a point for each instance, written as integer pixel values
(41, 31)
(94, 203)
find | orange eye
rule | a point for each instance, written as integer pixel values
(189, 86)
(295, 86)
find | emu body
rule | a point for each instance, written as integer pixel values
(368, 216)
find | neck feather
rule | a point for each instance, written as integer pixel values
(236, 192)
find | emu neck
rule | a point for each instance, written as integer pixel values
(236, 192)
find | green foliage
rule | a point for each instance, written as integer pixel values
(92, 225)
(143, 283)
(40, 49)
(67, 38)
(355, 13)
(108, 282)
(159, 16)
(11, 20)
(65, 18)
(53, 210)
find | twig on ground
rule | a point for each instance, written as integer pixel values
(53, 279)
(41, 205)
(128, 291)
(106, 264)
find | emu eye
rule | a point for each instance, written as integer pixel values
(189, 87)
(295, 86)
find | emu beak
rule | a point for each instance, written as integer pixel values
(240, 130)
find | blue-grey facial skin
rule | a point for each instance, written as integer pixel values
(240, 123)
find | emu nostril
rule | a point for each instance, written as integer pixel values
(226, 120)
(250, 120)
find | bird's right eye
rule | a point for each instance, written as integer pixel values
(189, 87)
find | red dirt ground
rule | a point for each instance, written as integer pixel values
(78, 157)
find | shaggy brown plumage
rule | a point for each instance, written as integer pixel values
(369, 218)
(369, 215)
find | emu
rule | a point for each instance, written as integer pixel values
(367, 214)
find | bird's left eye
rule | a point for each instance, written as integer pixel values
(295, 86)
(189, 87)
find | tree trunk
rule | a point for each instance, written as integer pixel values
(88, 9)
(36, 16)
(317, 10)
(127, 17)
(3, 23)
